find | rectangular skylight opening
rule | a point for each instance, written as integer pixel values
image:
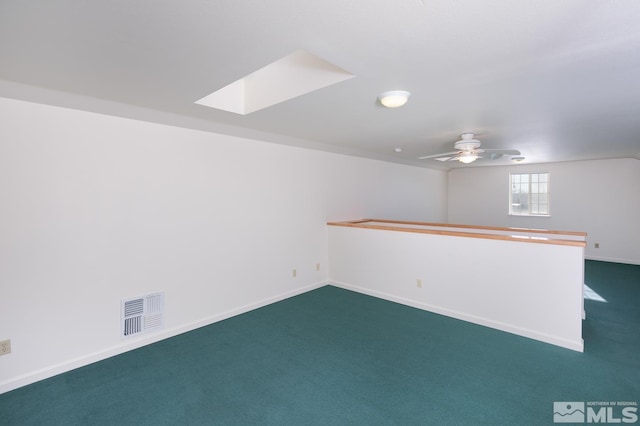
(294, 75)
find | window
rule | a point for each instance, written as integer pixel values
(529, 194)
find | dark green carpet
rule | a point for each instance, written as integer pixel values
(333, 357)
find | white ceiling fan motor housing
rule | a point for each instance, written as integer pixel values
(467, 143)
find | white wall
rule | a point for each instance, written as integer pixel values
(94, 209)
(359, 188)
(478, 280)
(599, 197)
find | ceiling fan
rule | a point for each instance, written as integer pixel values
(468, 151)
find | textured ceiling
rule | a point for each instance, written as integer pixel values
(555, 79)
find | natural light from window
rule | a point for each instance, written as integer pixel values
(529, 194)
(589, 294)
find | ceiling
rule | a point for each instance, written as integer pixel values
(558, 80)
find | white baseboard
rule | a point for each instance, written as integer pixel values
(72, 364)
(613, 260)
(554, 340)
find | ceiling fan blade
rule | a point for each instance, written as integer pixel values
(445, 154)
(503, 151)
(492, 155)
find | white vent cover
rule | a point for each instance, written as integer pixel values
(142, 314)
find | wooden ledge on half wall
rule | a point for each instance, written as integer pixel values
(538, 236)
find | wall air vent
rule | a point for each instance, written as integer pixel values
(142, 314)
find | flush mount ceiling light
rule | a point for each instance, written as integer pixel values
(394, 98)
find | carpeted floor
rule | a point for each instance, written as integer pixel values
(334, 357)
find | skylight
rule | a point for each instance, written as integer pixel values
(294, 75)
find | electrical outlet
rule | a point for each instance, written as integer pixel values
(317, 266)
(294, 273)
(419, 283)
(5, 347)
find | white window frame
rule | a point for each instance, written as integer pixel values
(548, 193)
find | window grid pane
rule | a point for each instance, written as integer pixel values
(529, 194)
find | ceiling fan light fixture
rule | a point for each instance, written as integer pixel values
(394, 98)
(468, 150)
(467, 157)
